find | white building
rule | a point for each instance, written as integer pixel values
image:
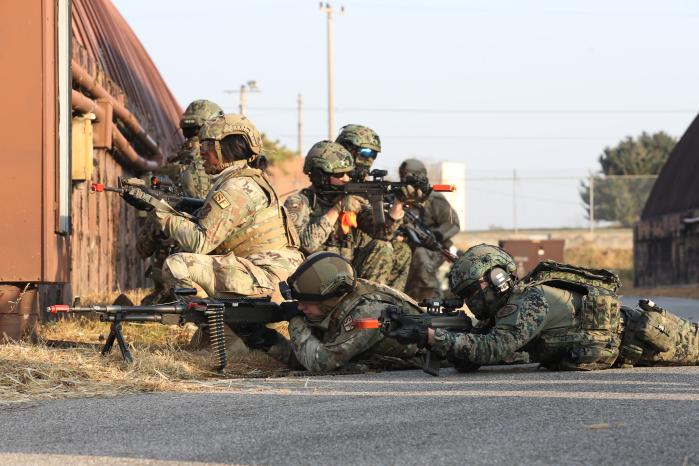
(452, 173)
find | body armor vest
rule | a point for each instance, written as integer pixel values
(267, 229)
(583, 326)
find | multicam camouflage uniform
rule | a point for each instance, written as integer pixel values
(374, 258)
(442, 219)
(566, 317)
(242, 242)
(186, 170)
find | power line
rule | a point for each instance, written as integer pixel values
(484, 111)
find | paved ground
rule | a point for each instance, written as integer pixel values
(499, 415)
(687, 308)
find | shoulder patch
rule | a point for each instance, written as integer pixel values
(220, 199)
(506, 310)
(348, 323)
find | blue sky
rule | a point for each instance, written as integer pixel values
(540, 87)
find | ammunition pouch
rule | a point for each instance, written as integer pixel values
(648, 330)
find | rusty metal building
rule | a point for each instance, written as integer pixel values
(666, 238)
(83, 102)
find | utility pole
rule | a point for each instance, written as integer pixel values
(592, 204)
(514, 202)
(250, 86)
(299, 129)
(330, 11)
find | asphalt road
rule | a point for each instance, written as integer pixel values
(687, 308)
(499, 415)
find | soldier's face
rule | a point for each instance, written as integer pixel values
(209, 156)
(312, 311)
(339, 179)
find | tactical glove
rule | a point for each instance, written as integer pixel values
(134, 197)
(406, 330)
(349, 203)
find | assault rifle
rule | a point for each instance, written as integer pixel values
(440, 314)
(377, 189)
(419, 234)
(213, 314)
(156, 189)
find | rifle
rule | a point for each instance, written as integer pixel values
(206, 313)
(420, 235)
(157, 189)
(440, 313)
(376, 190)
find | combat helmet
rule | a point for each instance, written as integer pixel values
(323, 275)
(198, 112)
(326, 159)
(228, 125)
(412, 167)
(359, 136)
(487, 264)
(493, 264)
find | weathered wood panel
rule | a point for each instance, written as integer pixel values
(103, 257)
(666, 250)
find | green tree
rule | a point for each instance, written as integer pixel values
(623, 186)
(276, 151)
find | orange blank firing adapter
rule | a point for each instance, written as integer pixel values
(444, 188)
(97, 187)
(367, 323)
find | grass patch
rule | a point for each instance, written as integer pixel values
(163, 361)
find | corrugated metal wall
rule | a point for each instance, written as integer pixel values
(104, 227)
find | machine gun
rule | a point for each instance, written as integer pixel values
(213, 314)
(156, 189)
(377, 189)
(419, 234)
(440, 314)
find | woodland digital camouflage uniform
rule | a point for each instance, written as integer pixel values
(235, 211)
(375, 259)
(441, 218)
(334, 342)
(565, 330)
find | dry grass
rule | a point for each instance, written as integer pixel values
(162, 362)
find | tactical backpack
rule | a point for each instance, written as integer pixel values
(593, 340)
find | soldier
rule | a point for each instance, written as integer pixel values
(187, 171)
(331, 298)
(240, 241)
(364, 145)
(437, 214)
(566, 317)
(340, 223)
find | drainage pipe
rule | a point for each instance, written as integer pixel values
(89, 83)
(87, 105)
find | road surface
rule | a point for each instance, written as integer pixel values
(500, 415)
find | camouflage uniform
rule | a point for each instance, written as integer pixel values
(441, 218)
(334, 342)
(186, 170)
(241, 242)
(374, 258)
(566, 317)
